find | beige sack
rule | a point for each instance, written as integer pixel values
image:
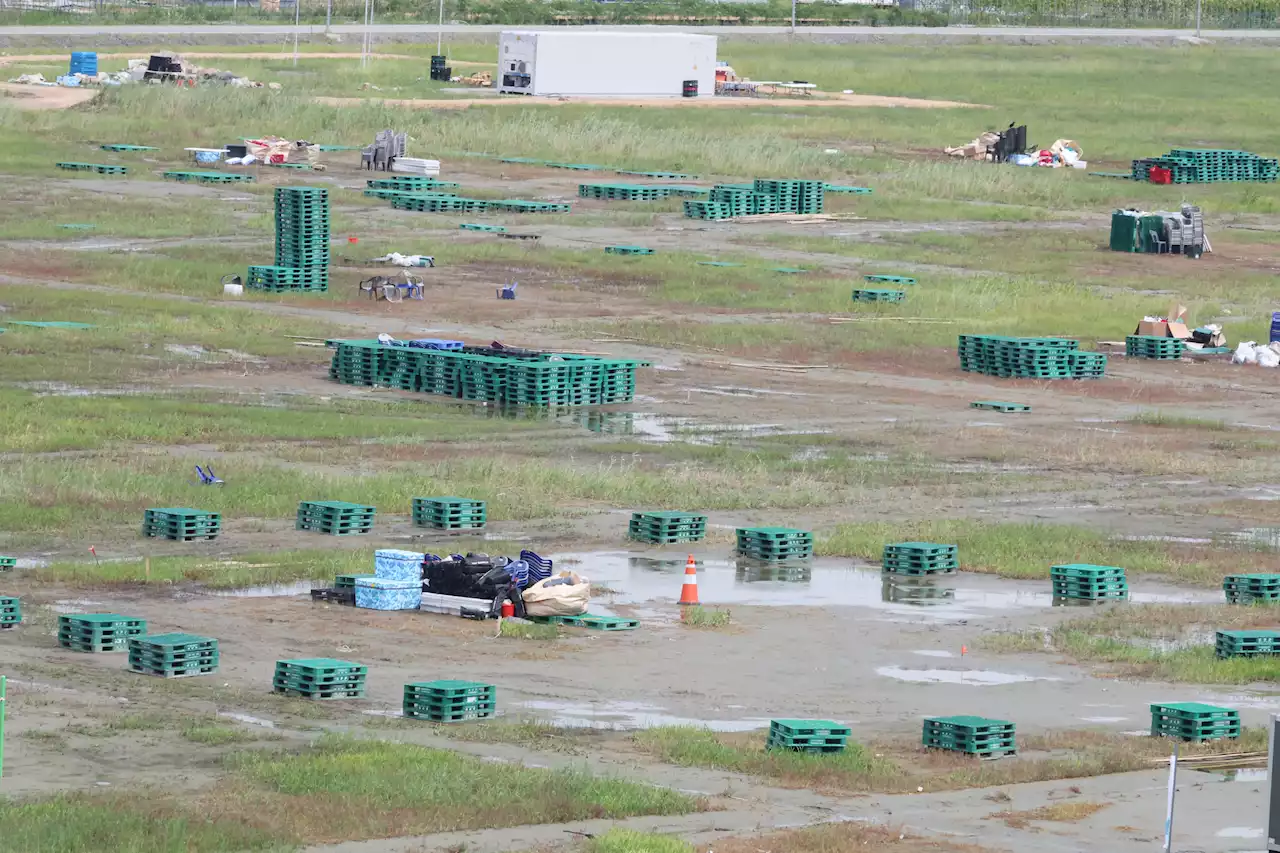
(563, 599)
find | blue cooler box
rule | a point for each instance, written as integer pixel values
(383, 594)
(391, 564)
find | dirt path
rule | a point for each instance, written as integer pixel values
(43, 97)
(666, 103)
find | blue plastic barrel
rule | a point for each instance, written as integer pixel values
(84, 62)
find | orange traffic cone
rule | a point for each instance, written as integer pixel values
(689, 592)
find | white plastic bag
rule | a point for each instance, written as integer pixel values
(1245, 354)
(1267, 357)
(561, 599)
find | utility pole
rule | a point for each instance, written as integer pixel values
(328, 16)
(1198, 3)
(1173, 789)
(2, 684)
(297, 12)
(793, 17)
(440, 32)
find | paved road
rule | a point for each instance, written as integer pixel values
(1013, 33)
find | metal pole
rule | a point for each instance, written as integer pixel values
(297, 11)
(1173, 789)
(793, 17)
(328, 16)
(440, 32)
(2, 685)
(1198, 3)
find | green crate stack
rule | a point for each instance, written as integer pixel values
(517, 205)
(1209, 165)
(449, 513)
(1251, 589)
(7, 564)
(682, 191)
(883, 278)
(513, 380)
(665, 528)
(336, 518)
(1087, 582)
(388, 195)
(1087, 365)
(794, 196)
(820, 736)
(10, 611)
(348, 581)
(173, 655)
(410, 183)
(181, 523)
(129, 148)
(434, 203)
(100, 168)
(775, 543)
(302, 235)
(488, 229)
(1025, 358)
(1246, 644)
(281, 279)
(98, 632)
(837, 188)
(971, 735)
(209, 177)
(675, 176)
(920, 558)
(744, 202)
(707, 210)
(623, 192)
(449, 701)
(878, 295)
(1152, 346)
(1194, 721)
(320, 678)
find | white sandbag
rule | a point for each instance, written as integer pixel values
(1267, 357)
(1245, 354)
(554, 597)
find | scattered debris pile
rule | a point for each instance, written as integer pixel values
(1206, 166)
(1011, 146)
(160, 68)
(1169, 337)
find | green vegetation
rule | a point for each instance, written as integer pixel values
(1154, 641)
(217, 734)
(704, 617)
(629, 841)
(389, 789)
(528, 631)
(77, 822)
(905, 766)
(1027, 550)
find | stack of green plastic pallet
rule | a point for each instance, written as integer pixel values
(209, 177)
(1251, 589)
(7, 563)
(1028, 358)
(336, 518)
(1246, 644)
(1151, 346)
(10, 611)
(173, 655)
(628, 250)
(389, 195)
(971, 735)
(775, 543)
(878, 295)
(98, 632)
(665, 528)
(484, 375)
(410, 183)
(181, 523)
(100, 168)
(1086, 582)
(820, 736)
(449, 513)
(707, 210)
(320, 678)
(1209, 165)
(348, 581)
(1194, 721)
(744, 201)
(302, 242)
(623, 192)
(794, 196)
(920, 558)
(449, 701)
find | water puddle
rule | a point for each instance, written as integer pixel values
(378, 713)
(246, 718)
(619, 716)
(269, 590)
(1239, 774)
(934, 653)
(1260, 538)
(1239, 832)
(823, 582)
(971, 677)
(76, 605)
(1104, 719)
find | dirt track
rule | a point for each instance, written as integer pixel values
(817, 101)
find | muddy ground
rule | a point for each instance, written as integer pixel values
(836, 642)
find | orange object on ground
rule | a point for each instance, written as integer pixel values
(689, 592)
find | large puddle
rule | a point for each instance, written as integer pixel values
(629, 715)
(823, 582)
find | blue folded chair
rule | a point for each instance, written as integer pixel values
(539, 569)
(508, 291)
(207, 477)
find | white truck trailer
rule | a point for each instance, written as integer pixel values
(550, 62)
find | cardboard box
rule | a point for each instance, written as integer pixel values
(1174, 327)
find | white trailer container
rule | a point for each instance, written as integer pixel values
(543, 62)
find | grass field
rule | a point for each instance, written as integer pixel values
(772, 400)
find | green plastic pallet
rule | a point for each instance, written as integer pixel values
(8, 563)
(835, 188)
(890, 279)
(123, 147)
(99, 168)
(866, 295)
(208, 177)
(492, 229)
(627, 250)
